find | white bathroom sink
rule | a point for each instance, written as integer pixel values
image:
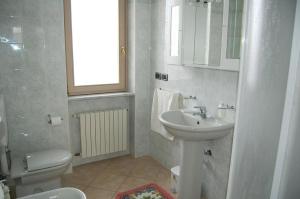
(192, 132)
(63, 193)
(188, 127)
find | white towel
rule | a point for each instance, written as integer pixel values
(4, 191)
(1, 191)
(164, 101)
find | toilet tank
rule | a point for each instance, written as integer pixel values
(4, 158)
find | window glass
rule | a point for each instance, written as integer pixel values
(95, 39)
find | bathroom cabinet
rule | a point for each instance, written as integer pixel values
(204, 33)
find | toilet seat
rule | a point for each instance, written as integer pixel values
(46, 159)
(39, 162)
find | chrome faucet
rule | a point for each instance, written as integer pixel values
(202, 112)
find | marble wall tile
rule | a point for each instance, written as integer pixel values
(33, 75)
(33, 79)
(131, 45)
(139, 64)
(11, 8)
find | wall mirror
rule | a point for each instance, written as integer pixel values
(204, 33)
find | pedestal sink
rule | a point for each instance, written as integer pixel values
(192, 131)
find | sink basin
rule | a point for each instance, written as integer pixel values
(187, 127)
(192, 131)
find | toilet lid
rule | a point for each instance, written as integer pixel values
(46, 159)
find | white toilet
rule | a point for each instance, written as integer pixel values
(35, 172)
(40, 166)
(39, 171)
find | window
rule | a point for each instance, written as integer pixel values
(95, 46)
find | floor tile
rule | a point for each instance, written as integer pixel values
(84, 175)
(79, 176)
(124, 160)
(150, 172)
(119, 169)
(77, 186)
(147, 160)
(104, 179)
(146, 172)
(94, 193)
(108, 181)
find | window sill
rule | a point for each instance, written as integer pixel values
(99, 96)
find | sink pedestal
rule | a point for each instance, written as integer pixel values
(191, 169)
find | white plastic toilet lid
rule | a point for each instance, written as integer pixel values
(47, 159)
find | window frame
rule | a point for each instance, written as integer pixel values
(123, 73)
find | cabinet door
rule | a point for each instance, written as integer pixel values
(196, 33)
(174, 31)
(232, 33)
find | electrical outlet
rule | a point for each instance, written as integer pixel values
(164, 77)
(157, 75)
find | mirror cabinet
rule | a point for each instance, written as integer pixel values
(204, 33)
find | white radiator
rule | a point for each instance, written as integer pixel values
(103, 132)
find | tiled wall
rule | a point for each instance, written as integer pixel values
(33, 74)
(33, 78)
(210, 87)
(140, 71)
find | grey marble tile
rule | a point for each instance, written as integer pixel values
(139, 63)
(33, 77)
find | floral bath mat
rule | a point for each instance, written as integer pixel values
(149, 191)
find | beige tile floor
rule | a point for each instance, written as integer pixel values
(103, 179)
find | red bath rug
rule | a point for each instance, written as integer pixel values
(149, 191)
